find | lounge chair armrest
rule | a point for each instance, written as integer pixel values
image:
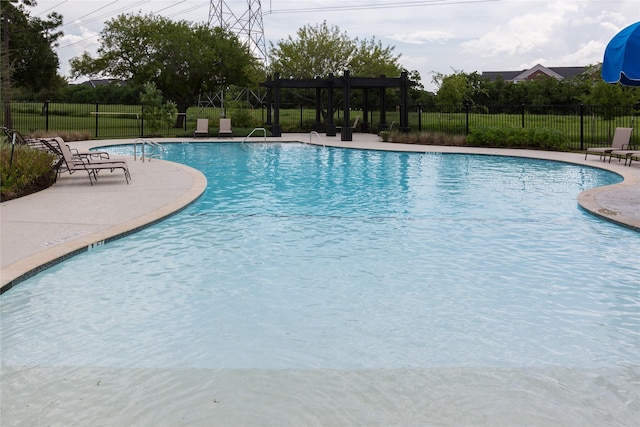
(90, 154)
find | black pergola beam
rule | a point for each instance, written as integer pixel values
(348, 84)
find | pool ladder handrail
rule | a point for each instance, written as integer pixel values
(312, 133)
(145, 142)
(264, 133)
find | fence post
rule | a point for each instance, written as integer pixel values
(523, 115)
(46, 115)
(467, 108)
(142, 121)
(581, 126)
(96, 119)
(419, 117)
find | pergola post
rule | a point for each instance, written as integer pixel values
(269, 102)
(316, 127)
(276, 130)
(383, 108)
(404, 102)
(331, 126)
(365, 111)
(346, 134)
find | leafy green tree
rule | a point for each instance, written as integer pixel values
(602, 94)
(32, 60)
(29, 62)
(459, 88)
(156, 113)
(321, 50)
(181, 58)
(113, 93)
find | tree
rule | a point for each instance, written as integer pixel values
(606, 95)
(156, 113)
(322, 50)
(459, 88)
(182, 59)
(28, 59)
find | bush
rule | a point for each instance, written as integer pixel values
(243, 119)
(65, 135)
(426, 138)
(30, 171)
(507, 137)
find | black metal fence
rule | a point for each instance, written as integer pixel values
(585, 125)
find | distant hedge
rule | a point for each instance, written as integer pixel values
(508, 137)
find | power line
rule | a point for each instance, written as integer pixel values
(372, 6)
(52, 7)
(355, 7)
(112, 13)
(103, 16)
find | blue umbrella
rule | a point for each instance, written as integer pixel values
(622, 57)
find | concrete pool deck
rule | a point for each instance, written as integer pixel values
(72, 216)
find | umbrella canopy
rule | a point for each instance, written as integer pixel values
(622, 57)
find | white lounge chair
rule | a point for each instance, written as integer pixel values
(621, 139)
(202, 128)
(354, 126)
(225, 128)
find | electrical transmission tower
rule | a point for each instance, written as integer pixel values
(245, 23)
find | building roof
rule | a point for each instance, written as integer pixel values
(559, 73)
(101, 82)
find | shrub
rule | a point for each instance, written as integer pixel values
(66, 135)
(507, 137)
(30, 171)
(242, 118)
(428, 138)
(156, 114)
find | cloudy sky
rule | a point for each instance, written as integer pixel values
(432, 36)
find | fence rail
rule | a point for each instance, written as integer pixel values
(585, 125)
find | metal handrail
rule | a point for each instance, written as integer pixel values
(144, 142)
(313, 132)
(264, 131)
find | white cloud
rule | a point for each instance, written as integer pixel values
(587, 54)
(421, 37)
(75, 44)
(522, 34)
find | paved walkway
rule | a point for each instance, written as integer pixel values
(70, 217)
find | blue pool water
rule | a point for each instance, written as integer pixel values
(310, 257)
(321, 286)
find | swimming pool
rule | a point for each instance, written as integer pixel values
(303, 260)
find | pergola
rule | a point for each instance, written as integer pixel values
(347, 84)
